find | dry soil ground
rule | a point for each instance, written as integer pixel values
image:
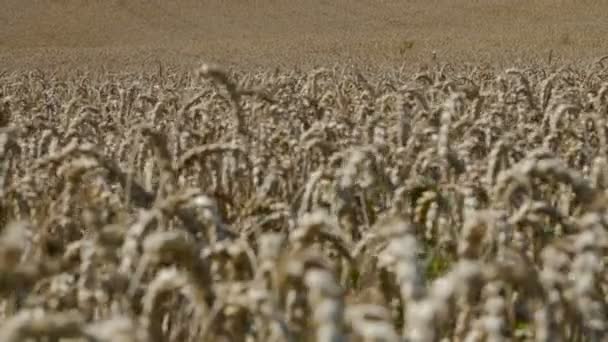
(132, 33)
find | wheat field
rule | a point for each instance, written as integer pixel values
(273, 170)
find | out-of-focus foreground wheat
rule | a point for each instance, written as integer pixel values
(212, 205)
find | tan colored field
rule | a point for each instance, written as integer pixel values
(266, 32)
(459, 194)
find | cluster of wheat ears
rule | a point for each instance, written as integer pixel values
(217, 205)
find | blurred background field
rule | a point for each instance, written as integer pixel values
(131, 33)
